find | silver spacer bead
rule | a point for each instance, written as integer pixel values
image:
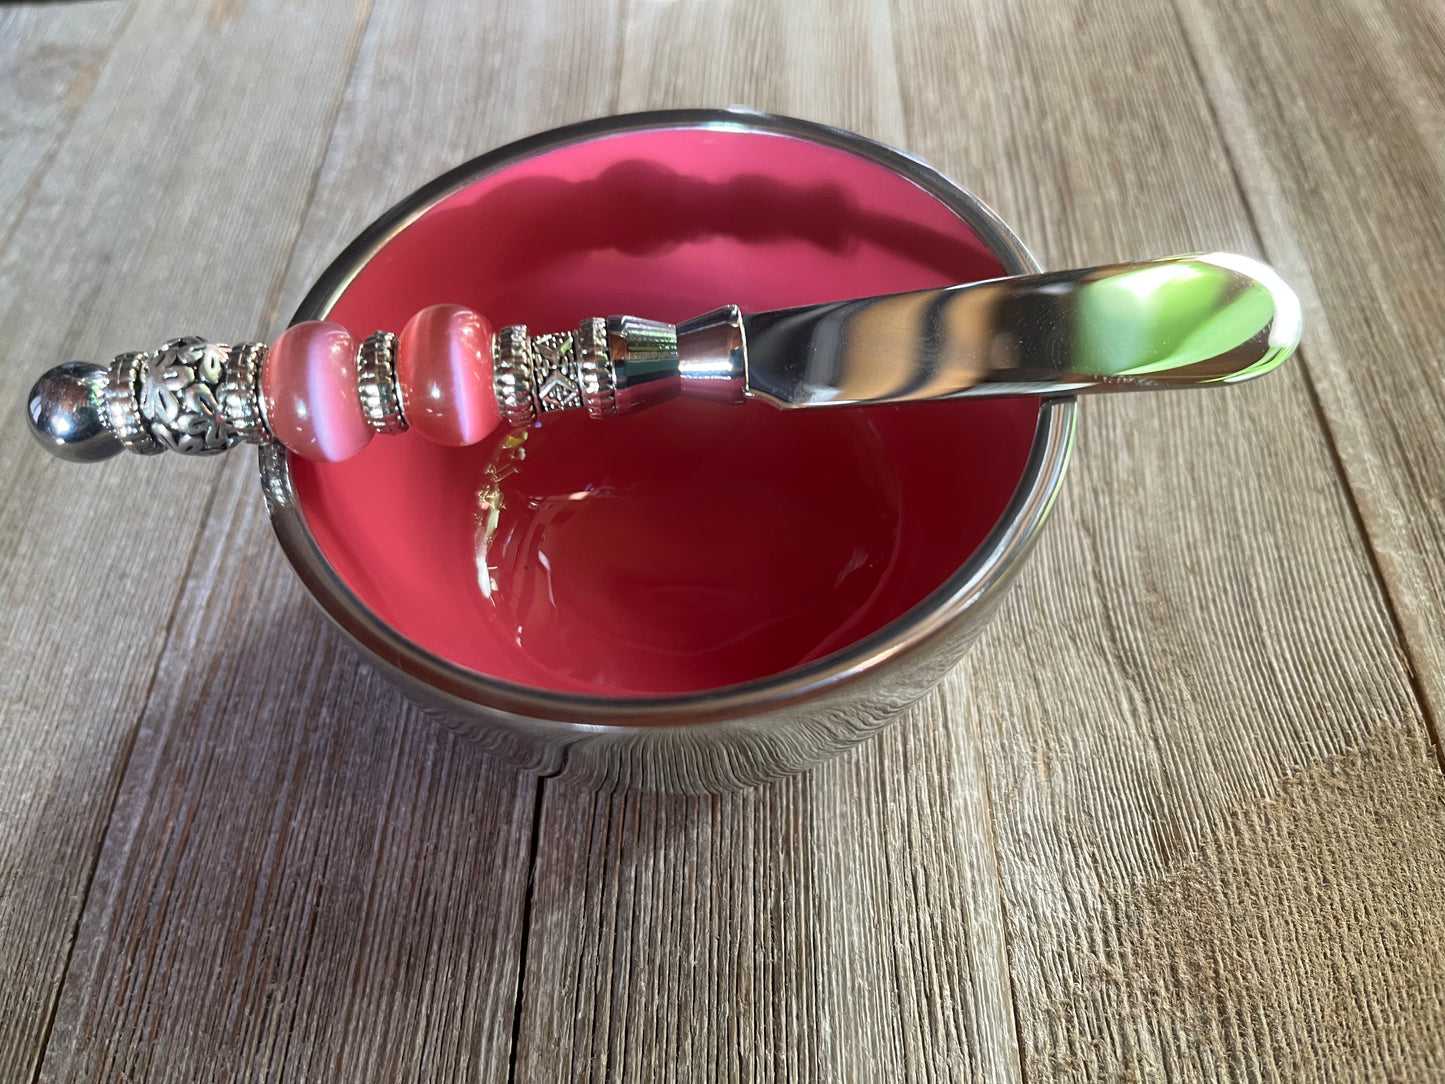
(594, 368)
(376, 382)
(179, 397)
(512, 375)
(554, 372)
(122, 404)
(240, 393)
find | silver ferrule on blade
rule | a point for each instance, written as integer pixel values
(713, 356)
(645, 362)
(701, 358)
(622, 364)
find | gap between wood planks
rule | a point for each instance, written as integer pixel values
(1402, 644)
(538, 801)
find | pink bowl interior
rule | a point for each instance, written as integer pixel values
(695, 545)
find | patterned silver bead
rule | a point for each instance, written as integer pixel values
(376, 382)
(122, 404)
(512, 375)
(554, 372)
(179, 397)
(594, 368)
(240, 393)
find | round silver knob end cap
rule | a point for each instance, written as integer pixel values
(66, 412)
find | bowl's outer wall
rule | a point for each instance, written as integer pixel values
(748, 742)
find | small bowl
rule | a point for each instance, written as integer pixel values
(665, 215)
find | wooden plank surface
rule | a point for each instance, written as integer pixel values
(48, 67)
(49, 62)
(119, 227)
(845, 925)
(1343, 166)
(1200, 647)
(304, 878)
(1176, 817)
(782, 933)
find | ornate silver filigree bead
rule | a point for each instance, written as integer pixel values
(240, 393)
(122, 404)
(594, 368)
(179, 397)
(554, 372)
(376, 381)
(512, 375)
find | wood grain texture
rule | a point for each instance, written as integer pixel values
(843, 926)
(47, 70)
(1343, 164)
(49, 62)
(48, 66)
(1201, 626)
(1340, 867)
(831, 63)
(150, 211)
(305, 878)
(840, 926)
(1175, 818)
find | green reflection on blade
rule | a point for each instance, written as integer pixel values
(1167, 316)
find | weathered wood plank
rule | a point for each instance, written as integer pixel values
(1335, 115)
(1200, 639)
(153, 211)
(843, 926)
(49, 64)
(1189, 737)
(305, 878)
(840, 926)
(1295, 944)
(828, 63)
(50, 59)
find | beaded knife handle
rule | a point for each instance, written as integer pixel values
(1189, 320)
(323, 396)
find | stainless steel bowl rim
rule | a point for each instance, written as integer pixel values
(983, 574)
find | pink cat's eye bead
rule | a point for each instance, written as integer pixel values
(309, 394)
(444, 370)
